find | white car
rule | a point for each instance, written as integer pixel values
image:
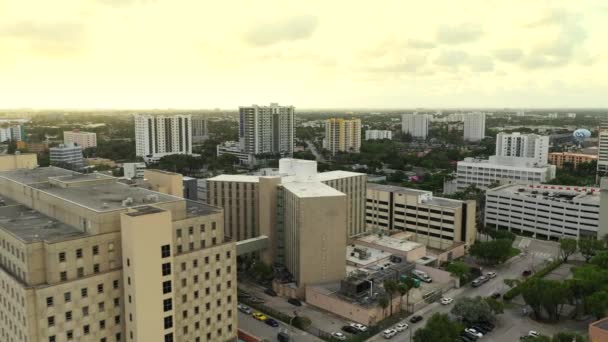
(358, 326)
(388, 333)
(491, 275)
(401, 327)
(473, 332)
(446, 300)
(533, 333)
(243, 308)
(338, 336)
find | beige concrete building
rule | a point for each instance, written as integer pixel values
(18, 161)
(84, 257)
(559, 158)
(84, 139)
(439, 223)
(342, 135)
(164, 181)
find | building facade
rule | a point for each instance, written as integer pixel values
(474, 126)
(84, 139)
(12, 133)
(133, 170)
(267, 129)
(574, 159)
(517, 148)
(157, 136)
(602, 155)
(417, 125)
(67, 155)
(200, 129)
(342, 135)
(435, 222)
(86, 258)
(375, 134)
(544, 211)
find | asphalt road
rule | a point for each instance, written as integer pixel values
(262, 330)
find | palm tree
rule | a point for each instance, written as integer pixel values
(383, 301)
(390, 286)
(409, 282)
(403, 290)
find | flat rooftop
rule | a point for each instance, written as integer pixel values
(37, 175)
(337, 174)
(397, 241)
(438, 201)
(30, 225)
(194, 209)
(312, 189)
(235, 178)
(375, 255)
(557, 193)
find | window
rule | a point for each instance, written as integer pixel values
(206, 260)
(185, 314)
(169, 337)
(195, 263)
(52, 338)
(79, 253)
(70, 334)
(168, 322)
(95, 250)
(179, 249)
(179, 233)
(191, 246)
(96, 268)
(217, 257)
(228, 255)
(165, 251)
(217, 272)
(202, 228)
(190, 230)
(167, 286)
(67, 297)
(101, 306)
(51, 321)
(213, 241)
(62, 257)
(183, 282)
(68, 316)
(195, 279)
(99, 288)
(86, 329)
(166, 269)
(102, 324)
(117, 319)
(49, 301)
(63, 275)
(116, 301)
(85, 311)
(167, 304)
(213, 226)
(203, 244)
(80, 272)
(115, 284)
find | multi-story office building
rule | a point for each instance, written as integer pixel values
(602, 155)
(342, 135)
(200, 129)
(12, 133)
(520, 149)
(434, 221)
(233, 148)
(603, 228)
(87, 258)
(306, 215)
(375, 134)
(134, 170)
(483, 173)
(67, 155)
(544, 211)
(574, 159)
(84, 139)
(267, 129)
(417, 125)
(474, 126)
(157, 136)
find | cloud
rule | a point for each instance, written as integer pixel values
(290, 29)
(508, 54)
(125, 3)
(481, 63)
(420, 44)
(452, 58)
(459, 34)
(46, 37)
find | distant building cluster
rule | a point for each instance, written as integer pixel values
(83, 139)
(374, 134)
(416, 125)
(12, 132)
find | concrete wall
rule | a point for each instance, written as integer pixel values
(166, 182)
(18, 161)
(267, 215)
(410, 256)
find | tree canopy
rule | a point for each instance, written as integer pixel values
(472, 310)
(438, 328)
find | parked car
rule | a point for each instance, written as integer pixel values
(481, 329)
(422, 276)
(487, 325)
(477, 282)
(338, 336)
(272, 322)
(526, 273)
(350, 329)
(495, 295)
(491, 275)
(243, 308)
(283, 337)
(358, 326)
(473, 332)
(533, 333)
(468, 338)
(446, 300)
(270, 292)
(401, 327)
(416, 319)
(294, 301)
(259, 316)
(389, 333)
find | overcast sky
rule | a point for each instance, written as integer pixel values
(306, 53)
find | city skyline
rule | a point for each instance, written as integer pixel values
(156, 54)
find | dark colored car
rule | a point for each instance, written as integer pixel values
(270, 292)
(468, 338)
(489, 326)
(495, 295)
(481, 329)
(350, 330)
(273, 323)
(416, 319)
(283, 337)
(526, 273)
(294, 301)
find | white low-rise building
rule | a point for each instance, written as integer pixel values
(544, 211)
(375, 134)
(483, 173)
(134, 170)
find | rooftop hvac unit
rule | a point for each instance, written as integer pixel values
(128, 201)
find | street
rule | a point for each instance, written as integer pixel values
(262, 330)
